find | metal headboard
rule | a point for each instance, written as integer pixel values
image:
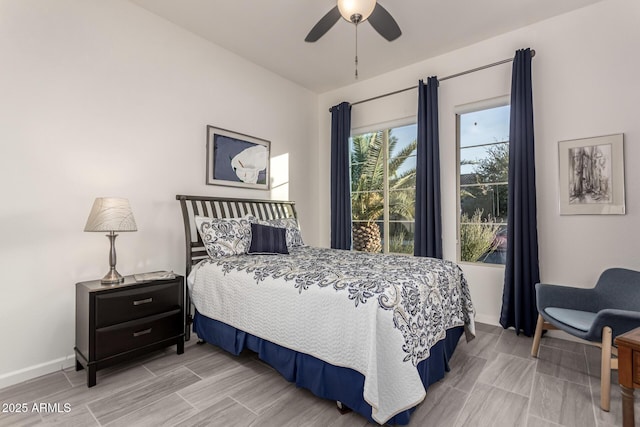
(219, 207)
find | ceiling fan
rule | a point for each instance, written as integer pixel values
(356, 12)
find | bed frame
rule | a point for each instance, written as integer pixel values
(431, 369)
(220, 207)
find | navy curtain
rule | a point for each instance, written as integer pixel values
(428, 231)
(521, 271)
(340, 178)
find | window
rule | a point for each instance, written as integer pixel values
(483, 142)
(383, 188)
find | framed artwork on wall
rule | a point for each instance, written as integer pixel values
(592, 175)
(237, 160)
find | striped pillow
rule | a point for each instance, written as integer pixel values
(268, 240)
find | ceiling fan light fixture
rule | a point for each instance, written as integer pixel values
(356, 11)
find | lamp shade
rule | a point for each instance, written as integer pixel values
(111, 214)
(348, 8)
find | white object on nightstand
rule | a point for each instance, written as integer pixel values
(154, 275)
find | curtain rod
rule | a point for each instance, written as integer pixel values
(473, 70)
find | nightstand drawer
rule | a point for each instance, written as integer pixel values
(137, 333)
(136, 303)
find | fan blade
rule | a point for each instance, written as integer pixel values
(383, 23)
(323, 25)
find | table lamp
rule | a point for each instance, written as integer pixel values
(111, 214)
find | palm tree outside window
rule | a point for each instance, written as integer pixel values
(383, 182)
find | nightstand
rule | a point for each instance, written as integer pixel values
(119, 322)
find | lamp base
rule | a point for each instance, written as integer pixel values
(112, 278)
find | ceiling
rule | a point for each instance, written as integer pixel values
(271, 33)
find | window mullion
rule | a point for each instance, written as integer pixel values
(385, 214)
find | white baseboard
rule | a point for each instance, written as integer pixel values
(31, 372)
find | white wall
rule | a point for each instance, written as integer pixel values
(585, 84)
(102, 98)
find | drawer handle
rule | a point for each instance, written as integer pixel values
(145, 332)
(143, 301)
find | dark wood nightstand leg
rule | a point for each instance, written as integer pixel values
(180, 346)
(91, 375)
(627, 406)
(79, 366)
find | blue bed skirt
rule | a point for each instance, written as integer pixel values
(322, 379)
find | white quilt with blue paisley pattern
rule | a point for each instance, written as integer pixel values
(377, 314)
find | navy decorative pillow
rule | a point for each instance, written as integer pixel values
(268, 240)
(294, 237)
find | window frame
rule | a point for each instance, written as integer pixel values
(486, 104)
(388, 125)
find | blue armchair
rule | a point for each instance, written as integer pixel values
(598, 315)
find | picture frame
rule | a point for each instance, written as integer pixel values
(237, 160)
(591, 172)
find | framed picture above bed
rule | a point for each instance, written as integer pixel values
(592, 175)
(237, 160)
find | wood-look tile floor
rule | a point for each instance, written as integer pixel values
(493, 382)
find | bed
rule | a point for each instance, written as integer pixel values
(369, 331)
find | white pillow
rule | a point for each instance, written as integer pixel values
(225, 236)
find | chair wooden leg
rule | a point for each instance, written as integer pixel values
(605, 370)
(536, 337)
